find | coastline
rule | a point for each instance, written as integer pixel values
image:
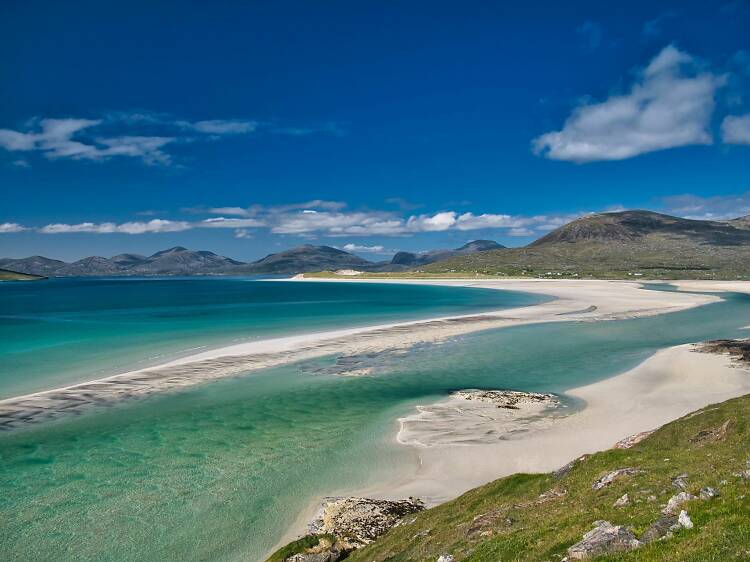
(573, 300)
(668, 385)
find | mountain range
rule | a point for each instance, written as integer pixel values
(604, 245)
(181, 261)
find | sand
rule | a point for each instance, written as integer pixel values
(574, 300)
(670, 384)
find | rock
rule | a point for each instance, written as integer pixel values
(509, 399)
(563, 470)
(684, 520)
(708, 493)
(674, 503)
(324, 551)
(680, 481)
(633, 440)
(359, 521)
(623, 501)
(744, 474)
(610, 477)
(715, 434)
(659, 529)
(445, 558)
(605, 538)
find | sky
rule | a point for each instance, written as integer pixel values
(246, 128)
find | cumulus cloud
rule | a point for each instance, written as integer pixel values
(719, 207)
(358, 249)
(669, 105)
(136, 227)
(735, 129)
(9, 227)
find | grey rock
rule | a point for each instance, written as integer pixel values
(680, 481)
(684, 520)
(610, 477)
(445, 558)
(605, 538)
(623, 501)
(632, 440)
(564, 470)
(674, 503)
(708, 493)
(659, 529)
(509, 399)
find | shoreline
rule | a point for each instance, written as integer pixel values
(670, 384)
(573, 300)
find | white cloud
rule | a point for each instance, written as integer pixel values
(9, 227)
(719, 207)
(222, 222)
(735, 129)
(221, 126)
(435, 223)
(356, 248)
(155, 225)
(669, 105)
(242, 233)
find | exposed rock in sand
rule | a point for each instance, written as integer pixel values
(511, 399)
(605, 538)
(739, 350)
(473, 417)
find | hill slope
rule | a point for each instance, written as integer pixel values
(621, 244)
(532, 517)
(416, 259)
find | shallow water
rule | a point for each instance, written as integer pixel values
(217, 472)
(62, 331)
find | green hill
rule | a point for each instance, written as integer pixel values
(622, 245)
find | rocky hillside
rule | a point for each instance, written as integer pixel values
(681, 493)
(623, 244)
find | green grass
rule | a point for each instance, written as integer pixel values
(300, 545)
(506, 519)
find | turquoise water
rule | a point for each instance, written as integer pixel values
(217, 472)
(62, 331)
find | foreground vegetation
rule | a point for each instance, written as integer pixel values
(532, 517)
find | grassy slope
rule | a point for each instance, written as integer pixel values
(7, 275)
(655, 256)
(514, 524)
(507, 520)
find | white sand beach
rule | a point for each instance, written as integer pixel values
(574, 300)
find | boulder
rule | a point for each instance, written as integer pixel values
(610, 477)
(632, 440)
(674, 503)
(659, 529)
(623, 501)
(445, 558)
(359, 521)
(604, 538)
(708, 493)
(684, 521)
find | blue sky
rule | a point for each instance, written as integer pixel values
(245, 128)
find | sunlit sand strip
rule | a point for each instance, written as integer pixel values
(575, 300)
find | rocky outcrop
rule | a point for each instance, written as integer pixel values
(510, 399)
(359, 521)
(674, 503)
(604, 538)
(610, 477)
(739, 350)
(632, 440)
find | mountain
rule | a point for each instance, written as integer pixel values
(174, 261)
(623, 244)
(413, 259)
(304, 259)
(35, 265)
(181, 261)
